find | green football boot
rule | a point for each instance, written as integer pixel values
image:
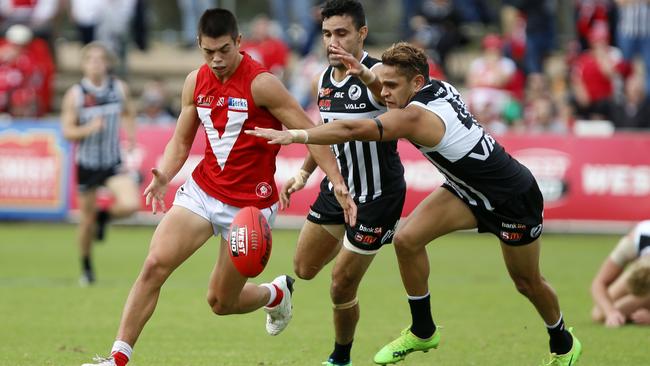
(568, 359)
(398, 349)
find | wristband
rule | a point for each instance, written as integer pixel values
(301, 177)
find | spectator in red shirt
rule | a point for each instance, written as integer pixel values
(594, 74)
(265, 47)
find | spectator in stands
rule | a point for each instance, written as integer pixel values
(265, 46)
(542, 116)
(38, 15)
(633, 111)
(191, 10)
(590, 12)
(633, 33)
(621, 288)
(154, 105)
(92, 114)
(438, 24)
(594, 76)
(296, 21)
(540, 31)
(106, 21)
(26, 70)
(488, 78)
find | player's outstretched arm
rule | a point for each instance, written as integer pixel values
(392, 125)
(268, 92)
(177, 149)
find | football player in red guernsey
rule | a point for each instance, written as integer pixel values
(229, 94)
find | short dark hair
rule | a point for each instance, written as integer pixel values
(217, 22)
(410, 60)
(345, 7)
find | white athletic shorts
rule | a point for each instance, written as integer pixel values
(220, 214)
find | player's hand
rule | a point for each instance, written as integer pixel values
(614, 319)
(347, 203)
(274, 136)
(354, 67)
(155, 192)
(295, 183)
(641, 316)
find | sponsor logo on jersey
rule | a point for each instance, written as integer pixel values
(364, 239)
(354, 92)
(367, 229)
(221, 101)
(314, 214)
(324, 92)
(509, 225)
(89, 100)
(263, 190)
(536, 231)
(355, 106)
(237, 104)
(324, 104)
(203, 100)
(505, 235)
(339, 95)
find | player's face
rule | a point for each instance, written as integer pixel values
(340, 30)
(396, 89)
(95, 63)
(221, 54)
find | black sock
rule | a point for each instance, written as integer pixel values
(85, 263)
(341, 353)
(422, 324)
(561, 340)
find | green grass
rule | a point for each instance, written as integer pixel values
(47, 319)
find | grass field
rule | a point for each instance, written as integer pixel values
(47, 319)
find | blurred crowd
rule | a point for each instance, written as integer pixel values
(520, 74)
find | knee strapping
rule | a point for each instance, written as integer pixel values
(346, 305)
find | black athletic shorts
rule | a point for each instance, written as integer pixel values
(517, 221)
(376, 219)
(88, 179)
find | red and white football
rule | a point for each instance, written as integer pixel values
(250, 241)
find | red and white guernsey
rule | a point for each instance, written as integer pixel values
(237, 168)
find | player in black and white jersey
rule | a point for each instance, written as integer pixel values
(372, 170)
(485, 188)
(92, 113)
(621, 288)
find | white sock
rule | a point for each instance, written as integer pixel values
(273, 292)
(123, 348)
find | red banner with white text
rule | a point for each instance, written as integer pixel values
(582, 178)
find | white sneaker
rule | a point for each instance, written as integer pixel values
(101, 361)
(278, 317)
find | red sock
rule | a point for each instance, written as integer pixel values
(120, 358)
(278, 297)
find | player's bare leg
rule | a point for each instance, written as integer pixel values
(229, 293)
(522, 263)
(179, 234)
(347, 274)
(438, 214)
(127, 196)
(87, 208)
(316, 247)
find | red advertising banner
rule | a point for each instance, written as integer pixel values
(582, 178)
(33, 171)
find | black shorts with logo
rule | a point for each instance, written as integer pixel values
(376, 219)
(88, 179)
(517, 221)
